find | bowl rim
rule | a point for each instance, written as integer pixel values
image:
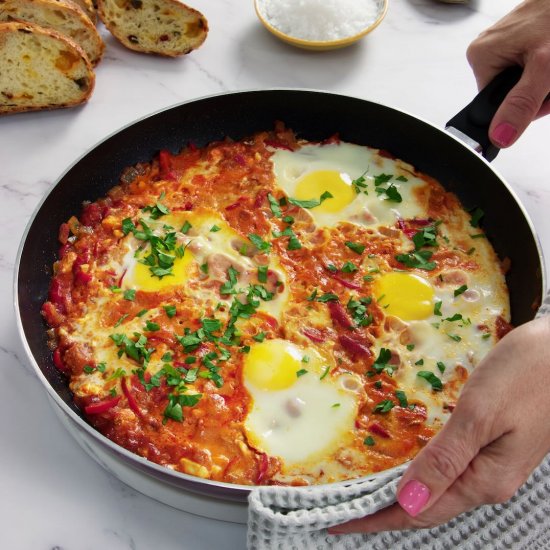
(320, 44)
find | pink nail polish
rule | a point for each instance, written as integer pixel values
(413, 497)
(504, 134)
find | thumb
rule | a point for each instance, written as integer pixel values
(442, 461)
(522, 104)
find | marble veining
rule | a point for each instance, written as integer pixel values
(53, 495)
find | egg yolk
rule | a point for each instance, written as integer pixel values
(141, 277)
(314, 184)
(273, 364)
(405, 295)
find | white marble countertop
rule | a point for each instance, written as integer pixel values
(52, 494)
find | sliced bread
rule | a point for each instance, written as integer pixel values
(164, 27)
(41, 69)
(88, 7)
(59, 15)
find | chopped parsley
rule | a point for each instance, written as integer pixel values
(259, 243)
(381, 363)
(301, 372)
(437, 308)
(402, 398)
(328, 297)
(260, 337)
(455, 317)
(121, 320)
(130, 294)
(476, 215)
(391, 192)
(418, 259)
(215, 228)
(274, 205)
(325, 372)
(431, 378)
(151, 327)
(229, 286)
(460, 290)
(384, 406)
(349, 267)
(312, 203)
(176, 402)
(359, 184)
(262, 274)
(356, 247)
(170, 310)
(425, 237)
(441, 366)
(358, 310)
(185, 227)
(134, 349)
(156, 211)
(369, 441)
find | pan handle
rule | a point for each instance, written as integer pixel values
(474, 120)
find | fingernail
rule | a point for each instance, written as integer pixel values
(413, 497)
(504, 134)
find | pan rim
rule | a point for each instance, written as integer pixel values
(164, 473)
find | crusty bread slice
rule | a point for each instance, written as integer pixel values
(88, 7)
(165, 27)
(58, 15)
(41, 69)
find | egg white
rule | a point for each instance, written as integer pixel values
(352, 162)
(308, 419)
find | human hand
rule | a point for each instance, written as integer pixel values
(520, 38)
(498, 433)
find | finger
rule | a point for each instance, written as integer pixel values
(444, 458)
(490, 478)
(393, 518)
(523, 102)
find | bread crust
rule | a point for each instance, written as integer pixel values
(87, 7)
(61, 16)
(164, 27)
(41, 69)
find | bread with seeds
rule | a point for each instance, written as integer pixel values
(41, 69)
(164, 27)
(59, 15)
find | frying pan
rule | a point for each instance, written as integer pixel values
(313, 115)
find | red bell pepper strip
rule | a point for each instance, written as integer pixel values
(376, 429)
(58, 362)
(338, 315)
(313, 334)
(102, 406)
(354, 346)
(348, 284)
(132, 403)
(262, 468)
(165, 165)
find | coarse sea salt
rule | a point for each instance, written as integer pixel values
(320, 20)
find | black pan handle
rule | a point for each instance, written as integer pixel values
(475, 118)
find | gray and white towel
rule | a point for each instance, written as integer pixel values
(282, 518)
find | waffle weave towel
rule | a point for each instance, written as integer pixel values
(281, 518)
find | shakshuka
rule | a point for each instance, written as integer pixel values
(273, 311)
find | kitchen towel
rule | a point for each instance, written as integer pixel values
(283, 518)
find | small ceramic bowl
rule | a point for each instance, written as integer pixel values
(381, 9)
